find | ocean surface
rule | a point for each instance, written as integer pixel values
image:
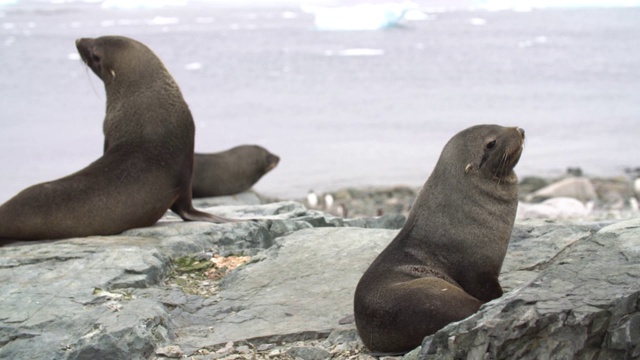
(341, 108)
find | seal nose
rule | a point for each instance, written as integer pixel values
(521, 131)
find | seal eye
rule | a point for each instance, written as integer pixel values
(491, 145)
(95, 58)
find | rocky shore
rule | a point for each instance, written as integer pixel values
(569, 197)
(281, 285)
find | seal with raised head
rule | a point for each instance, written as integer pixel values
(445, 261)
(147, 163)
(232, 171)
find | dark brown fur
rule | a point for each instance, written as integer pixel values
(232, 171)
(147, 163)
(445, 261)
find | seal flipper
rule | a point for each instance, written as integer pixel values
(184, 208)
(196, 215)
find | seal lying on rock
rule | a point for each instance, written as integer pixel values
(445, 261)
(147, 163)
(232, 171)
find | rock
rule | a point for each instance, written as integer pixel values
(308, 353)
(580, 188)
(389, 221)
(243, 198)
(371, 201)
(312, 271)
(114, 302)
(106, 297)
(172, 352)
(613, 191)
(51, 306)
(531, 184)
(266, 347)
(555, 208)
(582, 304)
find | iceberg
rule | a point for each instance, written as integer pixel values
(362, 16)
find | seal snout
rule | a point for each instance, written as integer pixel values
(522, 136)
(85, 47)
(272, 161)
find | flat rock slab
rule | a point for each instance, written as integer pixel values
(304, 285)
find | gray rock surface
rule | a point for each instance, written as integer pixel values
(583, 303)
(243, 198)
(572, 289)
(304, 284)
(103, 297)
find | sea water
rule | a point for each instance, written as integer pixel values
(341, 108)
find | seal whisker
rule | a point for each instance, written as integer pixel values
(501, 168)
(93, 86)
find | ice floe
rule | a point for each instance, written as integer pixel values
(193, 66)
(362, 16)
(478, 21)
(538, 40)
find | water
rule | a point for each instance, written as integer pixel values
(344, 108)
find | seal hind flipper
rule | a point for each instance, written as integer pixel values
(196, 215)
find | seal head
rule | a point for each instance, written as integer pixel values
(232, 171)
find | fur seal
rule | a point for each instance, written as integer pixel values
(445, 261)
(232, 171)
(147, 163)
